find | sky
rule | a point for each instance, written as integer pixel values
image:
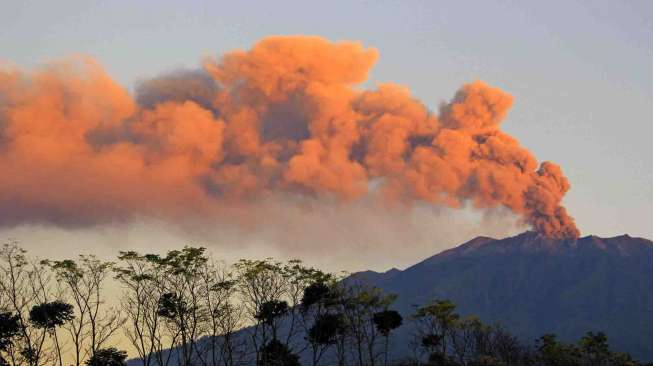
(580, 72)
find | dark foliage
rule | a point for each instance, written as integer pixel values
(9, 328)
(170, 305)
(276, 353)
(108, 357)
(271, 310)
(318, 292)
(50, 315)
(450, 340)
(431, 341)
(439, 359)
(326, 328)
(29, 355)
(387, 320)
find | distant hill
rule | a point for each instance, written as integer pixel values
(534, 285)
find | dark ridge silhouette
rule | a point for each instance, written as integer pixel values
(534, 285)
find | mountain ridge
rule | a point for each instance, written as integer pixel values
(533, 285)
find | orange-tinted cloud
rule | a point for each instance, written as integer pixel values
(284, 117)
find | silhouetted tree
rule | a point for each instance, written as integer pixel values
(275, 353)
(107, 357)
(471, 342)
(175, 299)
(594, 348)
(435, 325)
(591, 350)
(259, 282)
(506, 348)
(324, 333)
(385, 322)
(318, 294)
(23, 284)
(9, 329)
(326, 328)
(297, 278)
(49, 316)
(321, 321)
(140, 277)
(266, 281)
(550, 352)
(95, 322)
(624, 359)
(182, 304)
(270, 312)
(360, 303)
(224, 315)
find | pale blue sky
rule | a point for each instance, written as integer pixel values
(580, 71)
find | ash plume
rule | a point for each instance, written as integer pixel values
(284, 118)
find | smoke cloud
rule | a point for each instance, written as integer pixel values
(283, 119)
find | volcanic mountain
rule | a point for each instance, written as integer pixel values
(534, 285)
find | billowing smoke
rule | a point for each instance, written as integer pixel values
(284, 119)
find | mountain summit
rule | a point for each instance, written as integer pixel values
(533, 242)
(534, 285)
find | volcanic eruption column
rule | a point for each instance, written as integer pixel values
(284, 117)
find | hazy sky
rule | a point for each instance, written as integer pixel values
(580, 71)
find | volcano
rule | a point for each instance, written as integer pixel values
(534, 285)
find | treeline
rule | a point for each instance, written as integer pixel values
(185, 308)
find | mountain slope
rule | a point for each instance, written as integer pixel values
(534, 285)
